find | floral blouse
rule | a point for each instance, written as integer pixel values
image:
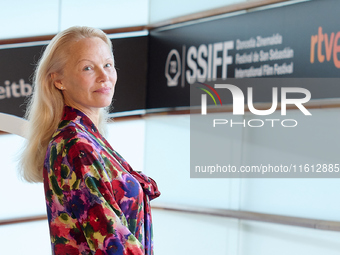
(96, 203)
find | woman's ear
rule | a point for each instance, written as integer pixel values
(57, 82)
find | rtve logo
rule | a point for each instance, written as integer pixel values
(325, 47)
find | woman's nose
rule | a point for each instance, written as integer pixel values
(102, 76)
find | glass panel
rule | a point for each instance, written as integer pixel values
(104, 14)
(30, 238)
(268, 239)
(127, 138)
(26, 18)
(18, 198)
(162, 10)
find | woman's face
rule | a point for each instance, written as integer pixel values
(89, 76)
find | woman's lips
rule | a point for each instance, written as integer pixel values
(104, 90)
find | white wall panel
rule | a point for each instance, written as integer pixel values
(162, 9)
(104, 14)
(315, 140)
(167, 155)
(310, 198)
(266, 239)
(25, 238)
(20, 18)
(184, 234)
(167, 160)
(128, 138)
(18, 198)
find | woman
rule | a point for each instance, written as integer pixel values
(96, 203)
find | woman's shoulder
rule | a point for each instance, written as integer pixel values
(71, 141)
(70, 132)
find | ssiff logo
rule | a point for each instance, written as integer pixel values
(173, 68)
(238, 104)
(206, 62)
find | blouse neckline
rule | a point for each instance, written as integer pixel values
(77, 116)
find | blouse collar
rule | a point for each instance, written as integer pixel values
(77, 116)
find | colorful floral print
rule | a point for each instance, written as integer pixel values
(96, 203)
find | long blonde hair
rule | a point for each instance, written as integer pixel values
(45, 107)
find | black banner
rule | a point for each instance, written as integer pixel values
(17, 65)
(298, 40)
(131, 63)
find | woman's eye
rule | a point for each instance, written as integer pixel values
(108, 65)
(87, 68)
